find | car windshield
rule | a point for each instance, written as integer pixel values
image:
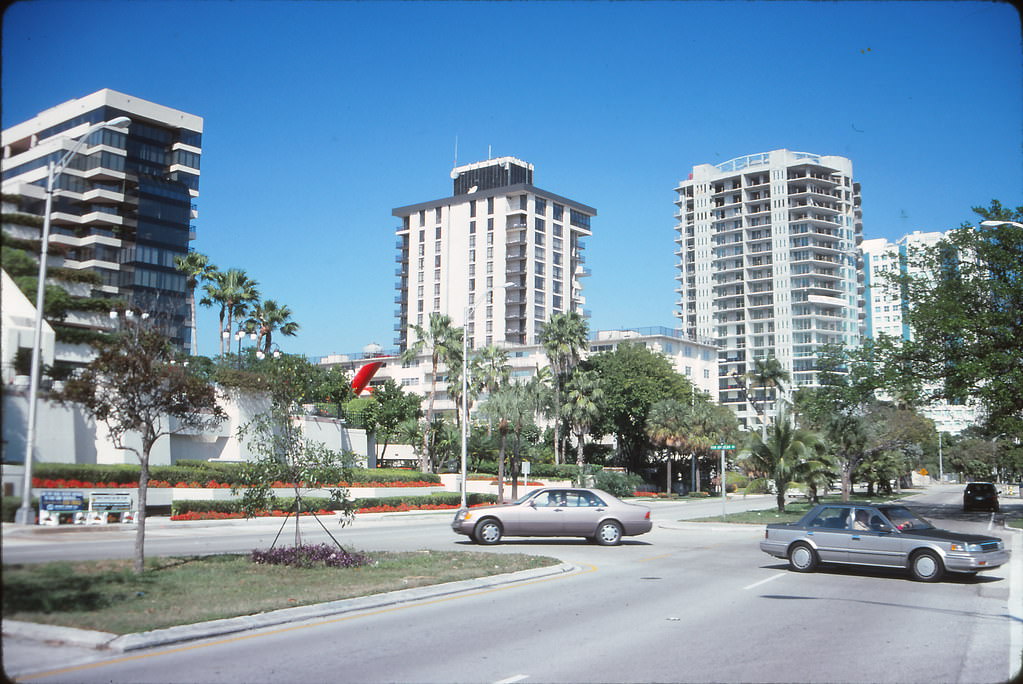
(522, 499)
(904, 519)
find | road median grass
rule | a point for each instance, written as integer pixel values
(794, 510)
(106, 596)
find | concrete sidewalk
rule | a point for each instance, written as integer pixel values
(31, 647)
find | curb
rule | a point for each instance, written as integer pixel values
(56, 635)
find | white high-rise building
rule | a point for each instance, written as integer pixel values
(883, 304)
(767, 247)
(885, 309)
(511, 252)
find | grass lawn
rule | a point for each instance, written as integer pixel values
(107, 596)
(794, 510)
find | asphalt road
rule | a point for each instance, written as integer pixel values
(687, 602)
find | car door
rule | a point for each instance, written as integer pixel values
(878, 544)
(544, 515)
(582, 513)
(830, 531)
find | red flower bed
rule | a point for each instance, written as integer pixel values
(209, 484)
(61, 483)
(644, 493)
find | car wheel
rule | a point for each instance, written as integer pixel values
(488, 532)
(802, 558)
(926, 566)
(609, 533)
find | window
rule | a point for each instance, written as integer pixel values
(437, 233)
(436, 261)
(557, 212)
(422, 217)
(539, 205)
(538, 238)
(538, 283)
(577, 218)
(490, 208)
(541, 225)
(472, 207)
(539, 253)
(538, 313)
(472, 241)
(436, 215)
(557, 229)
(472, 227)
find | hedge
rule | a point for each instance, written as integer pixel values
(548, 471)
(202, 472)
(323, 503)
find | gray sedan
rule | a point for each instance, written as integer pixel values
(887, 535)
(556, 512)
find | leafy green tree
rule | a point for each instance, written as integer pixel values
(583, 397)
(511, 410)
(633, 379)
(564, 339)
(284, 455)
(396, 406)
(782, 456)
(445, 344)
(197, 268)
(135, 387)
(964, 301)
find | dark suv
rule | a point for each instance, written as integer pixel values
(982, 495)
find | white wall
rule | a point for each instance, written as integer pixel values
(64, 434)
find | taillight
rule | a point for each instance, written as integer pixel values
(647, 516)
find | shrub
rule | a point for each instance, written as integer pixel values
(308, 556)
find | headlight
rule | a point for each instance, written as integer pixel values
(463, 515)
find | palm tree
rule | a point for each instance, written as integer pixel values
(782, 457)
(230, 289)
(268, 316)
(196, 267)
(445, 344)
(667, 426)
(582, 406)
(491, 369)
(563, 339)
(508, 409)
(766, 374)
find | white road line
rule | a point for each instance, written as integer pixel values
(764, 581)
(512, 680)
(1015, 609)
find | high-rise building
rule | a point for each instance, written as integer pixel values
(883, 303)
(767, 247)
(123, 207)
(499, 247)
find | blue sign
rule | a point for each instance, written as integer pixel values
(61, 501)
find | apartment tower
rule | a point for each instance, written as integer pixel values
(767, 247)
(123, 207)
(499, 248)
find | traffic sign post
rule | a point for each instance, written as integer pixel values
(723, 448)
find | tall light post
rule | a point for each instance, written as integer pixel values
(470, 307)
(25, 515)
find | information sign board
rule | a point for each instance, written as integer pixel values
(61, 501)
(106, 501)
(722, 447)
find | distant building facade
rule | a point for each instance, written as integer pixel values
(885, 309)
(768, 263)
(511, 252)
(123, 207)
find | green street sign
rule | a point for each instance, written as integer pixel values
(722, 447)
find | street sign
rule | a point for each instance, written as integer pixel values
(721, 447)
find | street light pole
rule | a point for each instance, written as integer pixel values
(25, 515)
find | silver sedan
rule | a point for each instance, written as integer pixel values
(556, 512)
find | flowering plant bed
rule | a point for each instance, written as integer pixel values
(386, 508)
(60, 483)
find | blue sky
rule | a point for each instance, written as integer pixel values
(320, 117)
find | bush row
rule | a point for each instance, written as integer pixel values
(547, 471)
(200, 471)
(317, 503)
